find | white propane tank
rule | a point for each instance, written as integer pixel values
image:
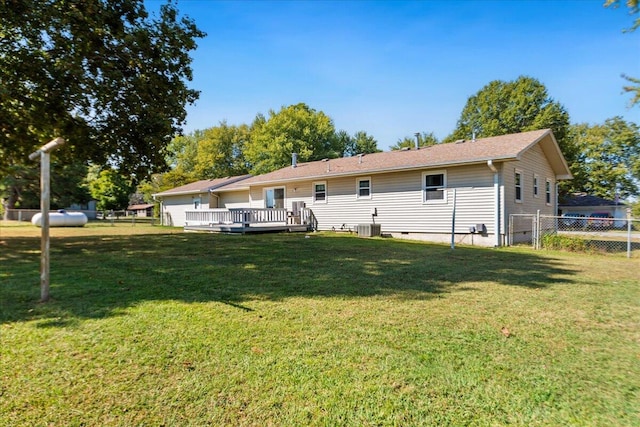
(61, 218)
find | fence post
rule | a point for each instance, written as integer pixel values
(628, 232)
(537, 229)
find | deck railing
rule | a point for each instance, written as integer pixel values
(244, 216)
(307, 217)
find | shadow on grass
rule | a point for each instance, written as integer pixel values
(100, 276)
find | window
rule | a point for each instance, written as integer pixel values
(196, 203)
(434, 184)
(320, 192)
(364, 188)
(535, 186)
(518, 186)
(547, 190)
(274, 198)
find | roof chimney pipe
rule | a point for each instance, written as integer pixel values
(417, 134)
(294, 160)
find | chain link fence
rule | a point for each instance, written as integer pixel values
(579, 234)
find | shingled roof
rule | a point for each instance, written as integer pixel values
(202, 186)
(583, 199)
(497, 149)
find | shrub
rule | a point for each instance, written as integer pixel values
(565, 243)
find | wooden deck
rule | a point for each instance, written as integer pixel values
(245, 220)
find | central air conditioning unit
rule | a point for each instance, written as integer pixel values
(368, 230)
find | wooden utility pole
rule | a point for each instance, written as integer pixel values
(45, 196)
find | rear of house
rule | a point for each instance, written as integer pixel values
(469, 188)
(466, 189)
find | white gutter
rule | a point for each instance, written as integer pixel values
(496, 189)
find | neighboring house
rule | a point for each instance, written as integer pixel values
(469, 186)
(141, 210)
(584, 205)
(197, 195)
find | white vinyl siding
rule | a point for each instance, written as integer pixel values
(533, 163)
(175, 206)
(234, 199)
(399, 202)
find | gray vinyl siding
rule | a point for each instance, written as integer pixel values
(533, 163)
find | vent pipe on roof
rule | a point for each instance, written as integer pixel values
(294, 160)
(473, 136)
(417, 134)
(360, 158)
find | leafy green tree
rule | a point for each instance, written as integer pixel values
(521, 105)
(346, 143)
(109, 188)
(105, 75)
(220, 152)
(21, 185)
(610, 158)
(365, 144)
(634, 83)
(424, 140)
(294, 129)
(501, 108)
(183, 150)
(359, 143)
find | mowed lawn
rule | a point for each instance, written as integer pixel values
(149, 326)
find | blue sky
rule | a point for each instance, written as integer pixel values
(393, 68)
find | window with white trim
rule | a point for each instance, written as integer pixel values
(274, 198)
(363, 188)
(536, 192)
(547, 191)
(433, 187)
(320, 192)
(196, 203)
(518, 185)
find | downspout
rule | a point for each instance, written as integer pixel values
(496, 190)
(556, 202)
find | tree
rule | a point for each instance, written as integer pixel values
(521, 105)
(609, 158)
(359, 143)
(424, 139)
(21, 186)
(109, 188)
(634, 84)
(220, 152)
(103, 74)
(502, 108)
(294, 129)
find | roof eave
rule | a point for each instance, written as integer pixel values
(371, 172)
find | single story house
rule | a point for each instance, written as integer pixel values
(467, 187)
(141, 210)
(585, 205)
(196, 195)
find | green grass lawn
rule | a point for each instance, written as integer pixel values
(147, 326)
